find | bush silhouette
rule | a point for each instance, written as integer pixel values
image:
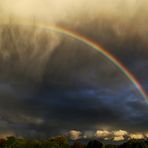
(62, 142)
(95, 144)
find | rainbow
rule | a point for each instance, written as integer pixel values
(97, 47)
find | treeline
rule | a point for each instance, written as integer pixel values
(62, 142)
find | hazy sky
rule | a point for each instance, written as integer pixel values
(53, 84)
(66, 10)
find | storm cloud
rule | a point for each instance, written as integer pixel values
(51, 84)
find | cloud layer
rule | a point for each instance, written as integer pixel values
(51, 84)
(118, 135)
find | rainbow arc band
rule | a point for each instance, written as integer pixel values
(97, 47)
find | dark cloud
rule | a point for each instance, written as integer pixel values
(124, 38)
(51, 84)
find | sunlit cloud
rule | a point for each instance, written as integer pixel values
(119, 135)
(103, 134)
(146, 135)
(136, 136)
(74, 134)
(118, 138)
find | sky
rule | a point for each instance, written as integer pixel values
(53, 84)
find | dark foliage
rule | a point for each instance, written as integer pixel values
(135, 144)
(77, 144)
(62, 142)
(95, 144)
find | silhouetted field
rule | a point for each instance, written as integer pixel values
(62, 142)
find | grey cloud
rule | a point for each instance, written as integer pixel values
(69, 85)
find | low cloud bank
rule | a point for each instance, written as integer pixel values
(117, 135)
